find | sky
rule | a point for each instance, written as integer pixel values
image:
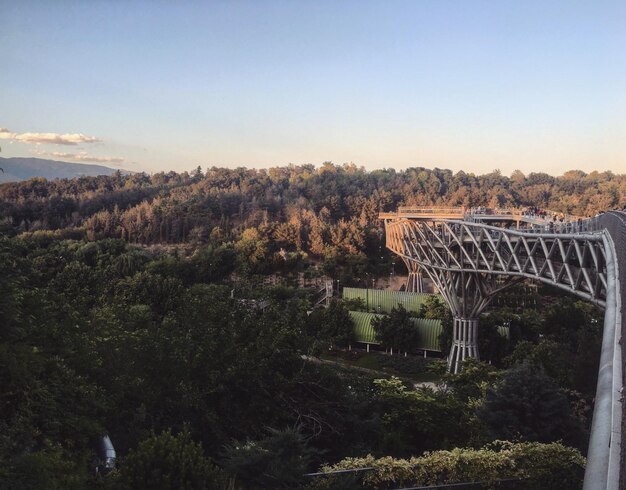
(538, 86)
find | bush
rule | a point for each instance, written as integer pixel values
(404, 366)
(168, 462)
(280, 460)
(538, 466)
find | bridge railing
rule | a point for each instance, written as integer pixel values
(480, 210)
(543, 214)
(434, 210)
(605, 458)
(540, 221)
(568, 225)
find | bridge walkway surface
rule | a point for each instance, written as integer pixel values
(473, 254)
(614, 222)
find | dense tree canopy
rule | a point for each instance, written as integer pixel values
(328, 212)
(528, 405)
(166, 461)
(132, 306)
(396, 331)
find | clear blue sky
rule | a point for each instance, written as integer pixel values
(464, 84)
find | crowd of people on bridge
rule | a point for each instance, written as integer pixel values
(542, 219)
(535, 212)
(548, 221)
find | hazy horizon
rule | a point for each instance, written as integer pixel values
(460, 85)
(318, 165)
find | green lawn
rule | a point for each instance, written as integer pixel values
(413, 368)
(369, 361)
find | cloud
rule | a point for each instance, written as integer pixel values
(56, 139)
(81, 157)
(48, 138)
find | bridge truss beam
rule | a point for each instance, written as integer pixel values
(414, 280)
(574, 262)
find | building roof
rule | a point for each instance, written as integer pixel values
(429, 330)
(383, 300)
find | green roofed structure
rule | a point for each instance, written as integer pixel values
(429, 330)
(383, 300)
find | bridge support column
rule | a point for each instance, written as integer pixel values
(464, 342)
(414, 282)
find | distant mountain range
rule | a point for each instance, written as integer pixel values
(17, 168)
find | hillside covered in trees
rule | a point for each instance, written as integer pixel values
(329, 212)
(129, 308)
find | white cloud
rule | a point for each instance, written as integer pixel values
(48, 138)
(81, 157)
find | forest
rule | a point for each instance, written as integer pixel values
(135, 307)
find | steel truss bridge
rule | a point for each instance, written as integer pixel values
(471, 255)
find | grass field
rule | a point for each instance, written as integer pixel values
(413, 368)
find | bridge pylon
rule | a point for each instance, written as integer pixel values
(414, 281)
(464, 342)
(467, 294)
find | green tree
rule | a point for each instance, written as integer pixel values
(527, 404)
(553, 357)
(166, 461)
(252, 251)
(333, 324)
(131, 262)
(51, 469)
(416, 419)
(279, 460)
(473, 379)
(396, 330)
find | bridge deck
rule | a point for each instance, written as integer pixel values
(546, 221)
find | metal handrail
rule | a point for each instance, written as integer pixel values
(430, 210)
(535, 223)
